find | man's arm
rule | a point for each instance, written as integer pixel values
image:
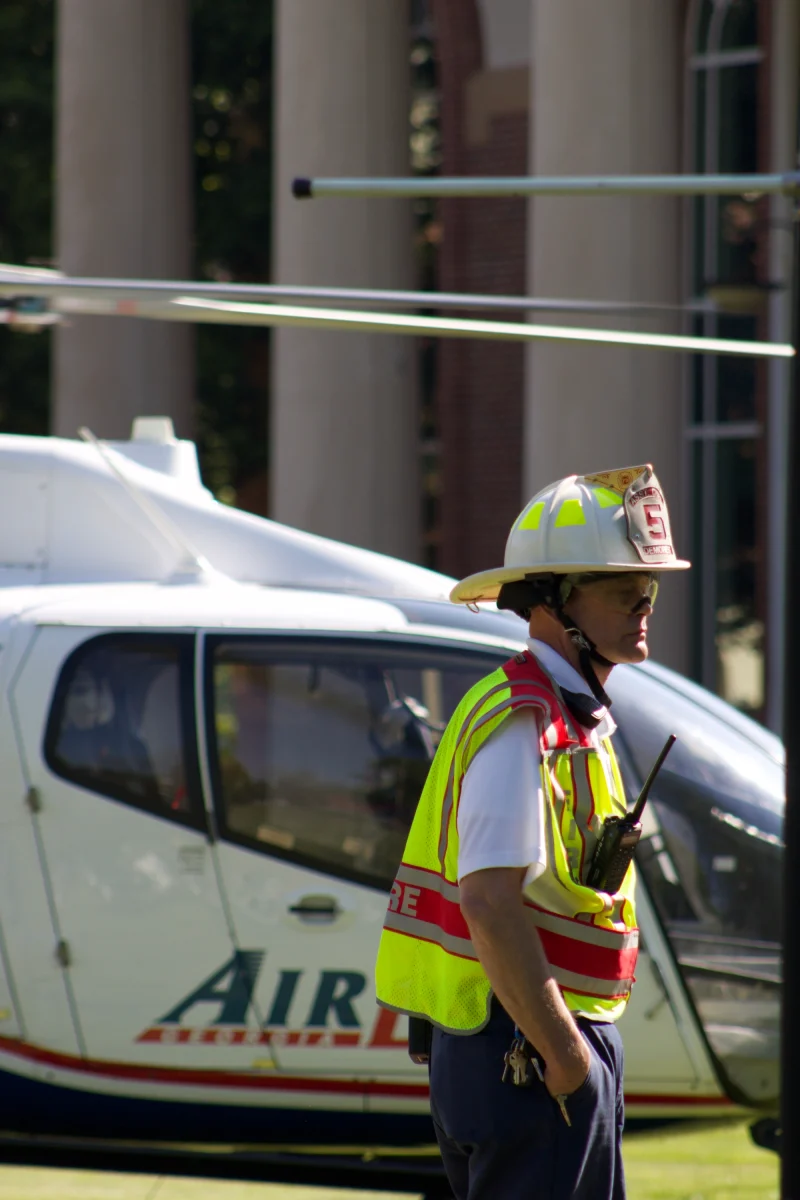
(509, 949)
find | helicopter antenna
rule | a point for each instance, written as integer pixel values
(192, 562)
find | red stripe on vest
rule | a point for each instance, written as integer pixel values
(524, 668)
(601, 962)
(430, 906)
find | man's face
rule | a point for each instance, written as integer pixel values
(613, 612)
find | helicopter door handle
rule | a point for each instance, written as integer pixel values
(316, 908)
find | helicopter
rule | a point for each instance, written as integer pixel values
(214, 730)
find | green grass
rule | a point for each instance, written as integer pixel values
(703, 1161)
(698, 1161)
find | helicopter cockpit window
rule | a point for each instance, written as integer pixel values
(117, 726)
(321, 750)
(711, 857)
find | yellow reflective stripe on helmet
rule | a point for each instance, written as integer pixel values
(570, 513)
(532, 516)
(606, 498)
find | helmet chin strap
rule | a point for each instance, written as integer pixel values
(587, 652)
(552, 591)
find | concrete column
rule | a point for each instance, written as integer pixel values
(344, 418)
(605, 99)
(123, 206)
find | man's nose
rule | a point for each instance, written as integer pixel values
(645, 605)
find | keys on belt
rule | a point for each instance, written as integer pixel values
(521, 1063)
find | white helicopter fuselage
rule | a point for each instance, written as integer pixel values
(180, 950)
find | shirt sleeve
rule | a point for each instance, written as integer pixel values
(501, 807)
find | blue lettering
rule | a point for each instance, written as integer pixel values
(233, 997)
(336, 991)
(284, 994)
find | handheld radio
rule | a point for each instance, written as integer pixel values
(620, 837)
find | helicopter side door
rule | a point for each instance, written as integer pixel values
(106, 735)
(36, 1002)
(318, 749)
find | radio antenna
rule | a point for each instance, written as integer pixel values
(192, 562)
(641, 800)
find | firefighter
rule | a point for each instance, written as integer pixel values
(494, 944)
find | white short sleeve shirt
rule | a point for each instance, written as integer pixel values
(501, 807)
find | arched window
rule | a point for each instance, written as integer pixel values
(724, 60)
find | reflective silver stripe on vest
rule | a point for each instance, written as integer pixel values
(584, 801)
(429, 932)
(418, 877)
(589, 985)
(498, 708)
(579, 931)
(582, 808)
(552, 865)
(499, 687)
(447, 805)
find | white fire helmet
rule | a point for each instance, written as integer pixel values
(611, 521)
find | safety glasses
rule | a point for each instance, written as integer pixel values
(627, 593)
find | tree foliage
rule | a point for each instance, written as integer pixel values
(232, 103)
(231, 46)
(26, 182)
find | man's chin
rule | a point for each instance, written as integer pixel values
(637, 654)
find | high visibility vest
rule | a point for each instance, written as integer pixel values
(427, 965)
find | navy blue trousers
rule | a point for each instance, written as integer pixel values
(500, 1142)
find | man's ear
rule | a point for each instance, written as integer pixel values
(541, 611)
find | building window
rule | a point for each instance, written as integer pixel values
(320, 750)
(121, 723)
(725, 428)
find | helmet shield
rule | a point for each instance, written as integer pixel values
(645, 512)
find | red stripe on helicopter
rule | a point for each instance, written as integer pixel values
(108, 1069)
(173, 1035)
(681, 1101)
(225, 1035)
(204, 1077)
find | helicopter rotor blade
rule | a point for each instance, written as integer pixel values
(167, 301)
(51, 283)
(221, 312)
